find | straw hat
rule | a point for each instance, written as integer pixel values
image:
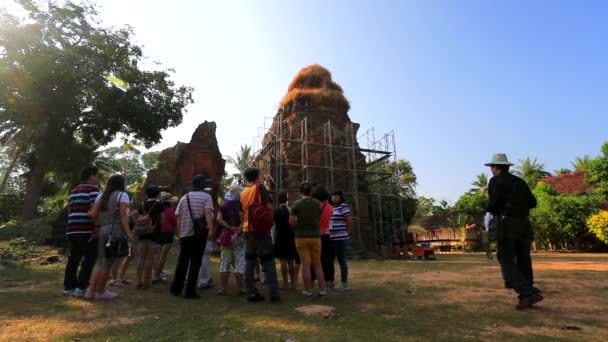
(168, 197)
(499, 159)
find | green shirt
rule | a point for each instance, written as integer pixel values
(308, 212)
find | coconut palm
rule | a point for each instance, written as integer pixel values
(581, 163)
(480, 185)
(243, 160)
(460, 222)
(530, 170)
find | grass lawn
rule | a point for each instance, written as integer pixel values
(456, 298)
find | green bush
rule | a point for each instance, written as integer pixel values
(35, 231)
(10, 206)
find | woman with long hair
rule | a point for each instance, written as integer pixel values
(110, 210)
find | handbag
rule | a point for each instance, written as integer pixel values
(116, 248)
(199, 225)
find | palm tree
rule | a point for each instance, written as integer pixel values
(562, 171)
(460, 222)
(243, 160)
(480, 185)
(581, 163)
(530, 170)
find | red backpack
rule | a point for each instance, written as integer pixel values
(260, 216)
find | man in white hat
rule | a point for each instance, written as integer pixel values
(510, 203)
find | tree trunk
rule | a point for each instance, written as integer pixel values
(34, 187)
(10, 168)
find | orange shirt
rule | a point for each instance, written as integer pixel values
(247, 199)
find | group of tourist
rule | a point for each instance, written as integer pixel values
(105, 228)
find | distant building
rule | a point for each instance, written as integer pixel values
(569, 183)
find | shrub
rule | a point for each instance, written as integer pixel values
(36, 231)
(598, 225)
(10, 206)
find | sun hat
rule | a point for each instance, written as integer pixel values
(499, 159)
(168, 197)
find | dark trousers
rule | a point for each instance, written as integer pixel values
(327, 259)
(189, 262)
(82, 249)
(257, 246)
(339, 249)
(513, 252)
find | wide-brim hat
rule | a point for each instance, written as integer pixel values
(499, 159)
(168, 197)
(235, 189)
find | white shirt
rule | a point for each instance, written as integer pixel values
(199, 201)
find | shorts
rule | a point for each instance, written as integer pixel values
(233, 255)
(104, 233)
(309, 250)
(153, 246)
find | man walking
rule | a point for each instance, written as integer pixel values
(83, 245)
(257, 245)
(510, 203)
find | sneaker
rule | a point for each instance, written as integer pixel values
(126, 282)
(78, 293)
(307, 293)
(254, 298)
(275, 299)
(115, 282)
(157, 280)
(106, 295)
(221, 292)
(242, 292)
(527, 302)
(163, 275)
(322, 293)
(343, 287)
(68, 292)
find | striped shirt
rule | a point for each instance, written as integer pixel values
(338, 228)
(199, 201)
(81, 201)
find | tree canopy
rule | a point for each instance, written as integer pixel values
(56, 91)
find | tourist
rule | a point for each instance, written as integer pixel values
(204, 280)
(327, 254)
(83, 245)
(121, 265)
(148, 244)
(284, 247)
(510, 203)
(165, 236)
(232, 247)
(196, 205)
(111, 213)
(257, 244)
(340, 228)
(119, 276)
(305, 217)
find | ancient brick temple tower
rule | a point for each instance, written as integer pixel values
(312, 138)
(179, 163)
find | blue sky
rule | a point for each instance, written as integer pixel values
(456, 80)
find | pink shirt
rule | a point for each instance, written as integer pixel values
(326, 212)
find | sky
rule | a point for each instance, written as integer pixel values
(457, 81)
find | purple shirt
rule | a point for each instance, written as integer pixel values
(231, 212)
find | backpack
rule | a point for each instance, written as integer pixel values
(261, 217)
(144, 224)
